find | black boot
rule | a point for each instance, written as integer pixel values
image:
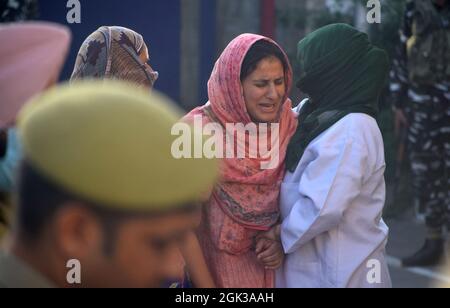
(430, 254)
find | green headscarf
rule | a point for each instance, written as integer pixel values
(342, 73)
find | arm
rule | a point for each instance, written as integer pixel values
(328, 186)
(196, 264)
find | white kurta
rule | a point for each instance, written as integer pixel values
(331, 206)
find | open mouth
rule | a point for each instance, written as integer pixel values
(268, 108)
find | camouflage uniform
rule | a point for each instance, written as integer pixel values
(18, 10)
(428, 111)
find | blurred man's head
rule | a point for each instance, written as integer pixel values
(115, 247)
(99, 185)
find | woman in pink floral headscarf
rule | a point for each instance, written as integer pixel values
(250, 83)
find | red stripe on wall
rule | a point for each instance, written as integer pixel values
(268, 22)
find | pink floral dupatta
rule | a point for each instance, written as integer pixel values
(247, 194)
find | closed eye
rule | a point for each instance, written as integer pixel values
(279, 82)
(261, 85)
(264, 83)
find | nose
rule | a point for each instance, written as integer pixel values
(272, 92)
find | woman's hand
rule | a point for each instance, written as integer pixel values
(269, 250)
(270, 253)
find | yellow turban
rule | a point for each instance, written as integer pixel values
(110, 143)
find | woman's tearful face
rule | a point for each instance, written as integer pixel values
(264, 90)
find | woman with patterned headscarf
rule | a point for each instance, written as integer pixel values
(115, 53)
(333, 195)
(121, 53)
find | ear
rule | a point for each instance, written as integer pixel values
(77, 231)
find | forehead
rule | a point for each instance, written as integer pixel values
(271, 67)
(164, 225)
(144, 52)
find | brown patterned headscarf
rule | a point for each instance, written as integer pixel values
(113, 53)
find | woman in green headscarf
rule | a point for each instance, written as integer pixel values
(333, 195)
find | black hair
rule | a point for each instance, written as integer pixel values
(39, 199)
(261, 50)
(3, 142)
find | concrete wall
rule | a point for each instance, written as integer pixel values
(294, 21)
(235, 17)
(207, 28)
(190, 55)
(158, 21)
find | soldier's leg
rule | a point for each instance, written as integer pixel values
(425, 157)
(427, 173)
(436, 215)
(445, 137)
(417, 133)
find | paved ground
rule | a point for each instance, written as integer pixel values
(406, 237)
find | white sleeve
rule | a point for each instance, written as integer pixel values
(327, 188)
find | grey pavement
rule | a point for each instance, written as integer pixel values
(406, 237)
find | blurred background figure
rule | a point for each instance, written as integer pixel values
(18, 10)
(115, 53)
(31, 57)
(11, 11)
(420, 87)
(97, 185)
